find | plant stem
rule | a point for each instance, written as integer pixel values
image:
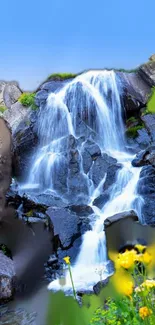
(70, 272)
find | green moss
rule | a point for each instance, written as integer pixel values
(3, 109)
(29, 214)
(28, 100)
(62, 76)
(132, 131)
(6, 251)
(151, 103)
(131, 119)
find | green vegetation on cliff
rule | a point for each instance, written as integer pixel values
(3, 109)
(151, 102)
(132, 131)
(28, 100)
(61, 76)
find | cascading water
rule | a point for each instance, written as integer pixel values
(93, 98)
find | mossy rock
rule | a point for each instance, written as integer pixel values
(61, 76)
(132, 132)
(3, 109)
(28, 100)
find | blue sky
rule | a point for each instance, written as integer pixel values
(41, 37)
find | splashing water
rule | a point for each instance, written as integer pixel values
(92, 98)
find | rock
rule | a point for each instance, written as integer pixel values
(11, 93)
(143, 139)
(7, 277)
(123, 215)
(15, 115)
(100, 168)
(41, 97)
(66, 225)
(101, 199)
(90, 151)
(147, 72)
(2, 86)
(149, 121)
(145, 157)
(135, 91)
(146, 188)
(18, 316)
(100, 285)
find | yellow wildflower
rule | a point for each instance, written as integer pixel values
(140, 248)
(127, 259)
(147, 284)
(147, 258)
(123, 283)
(144, 312)
(67, 259)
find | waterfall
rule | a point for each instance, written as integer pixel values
(93, 98)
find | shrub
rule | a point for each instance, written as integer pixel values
(62, 76)
(131, 119)
(3, 109)
(132, 131)
(28, 100)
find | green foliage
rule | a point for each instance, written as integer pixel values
(132, 131)
(28, 100)
(3, 109)
(62, 76)
(6, 251)
(151, 102)
(131, 119)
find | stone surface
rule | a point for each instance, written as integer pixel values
(149, 121)
(123, 215)
(15, 115)
(100, 285)
(147, 72)
(11, 94)
(100, 167)
(145, 157)
(7, 277)
(146, 188)
(18, 316)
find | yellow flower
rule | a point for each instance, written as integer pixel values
(67, 259)
(147, 284)
(127, 259)
(147, 258)
(140, 248)
(144, 312)
(123, 283)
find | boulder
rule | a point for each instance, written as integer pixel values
(7, 277)
(117, 217)
(147, 72)
(149, 121)
(100, 285)
(11, 93)
(145, 157)
(18, 316)
(100, 167)
(15, 115)
(143, 138)
(135, 91)
(146, 188)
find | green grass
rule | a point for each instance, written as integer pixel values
(131, 119)
(28, 100)
(6, 251)
(3, 109)
(132, 131)
(61, 76)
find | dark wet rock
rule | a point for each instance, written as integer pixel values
(147, 73)
(90, 152)
(100, 285)
(67, 225)
(146, 188)
(7, 277)
(49, 200)
(17, 316)
(145, 157)
(123, 215)
(102, 199)
(111, 175)
(149, 121)
(25, 141)
(81, 210)
(100, 167)
(143, 138)
(135, 91)
(41, 97)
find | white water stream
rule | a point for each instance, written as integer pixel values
(97, 95)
